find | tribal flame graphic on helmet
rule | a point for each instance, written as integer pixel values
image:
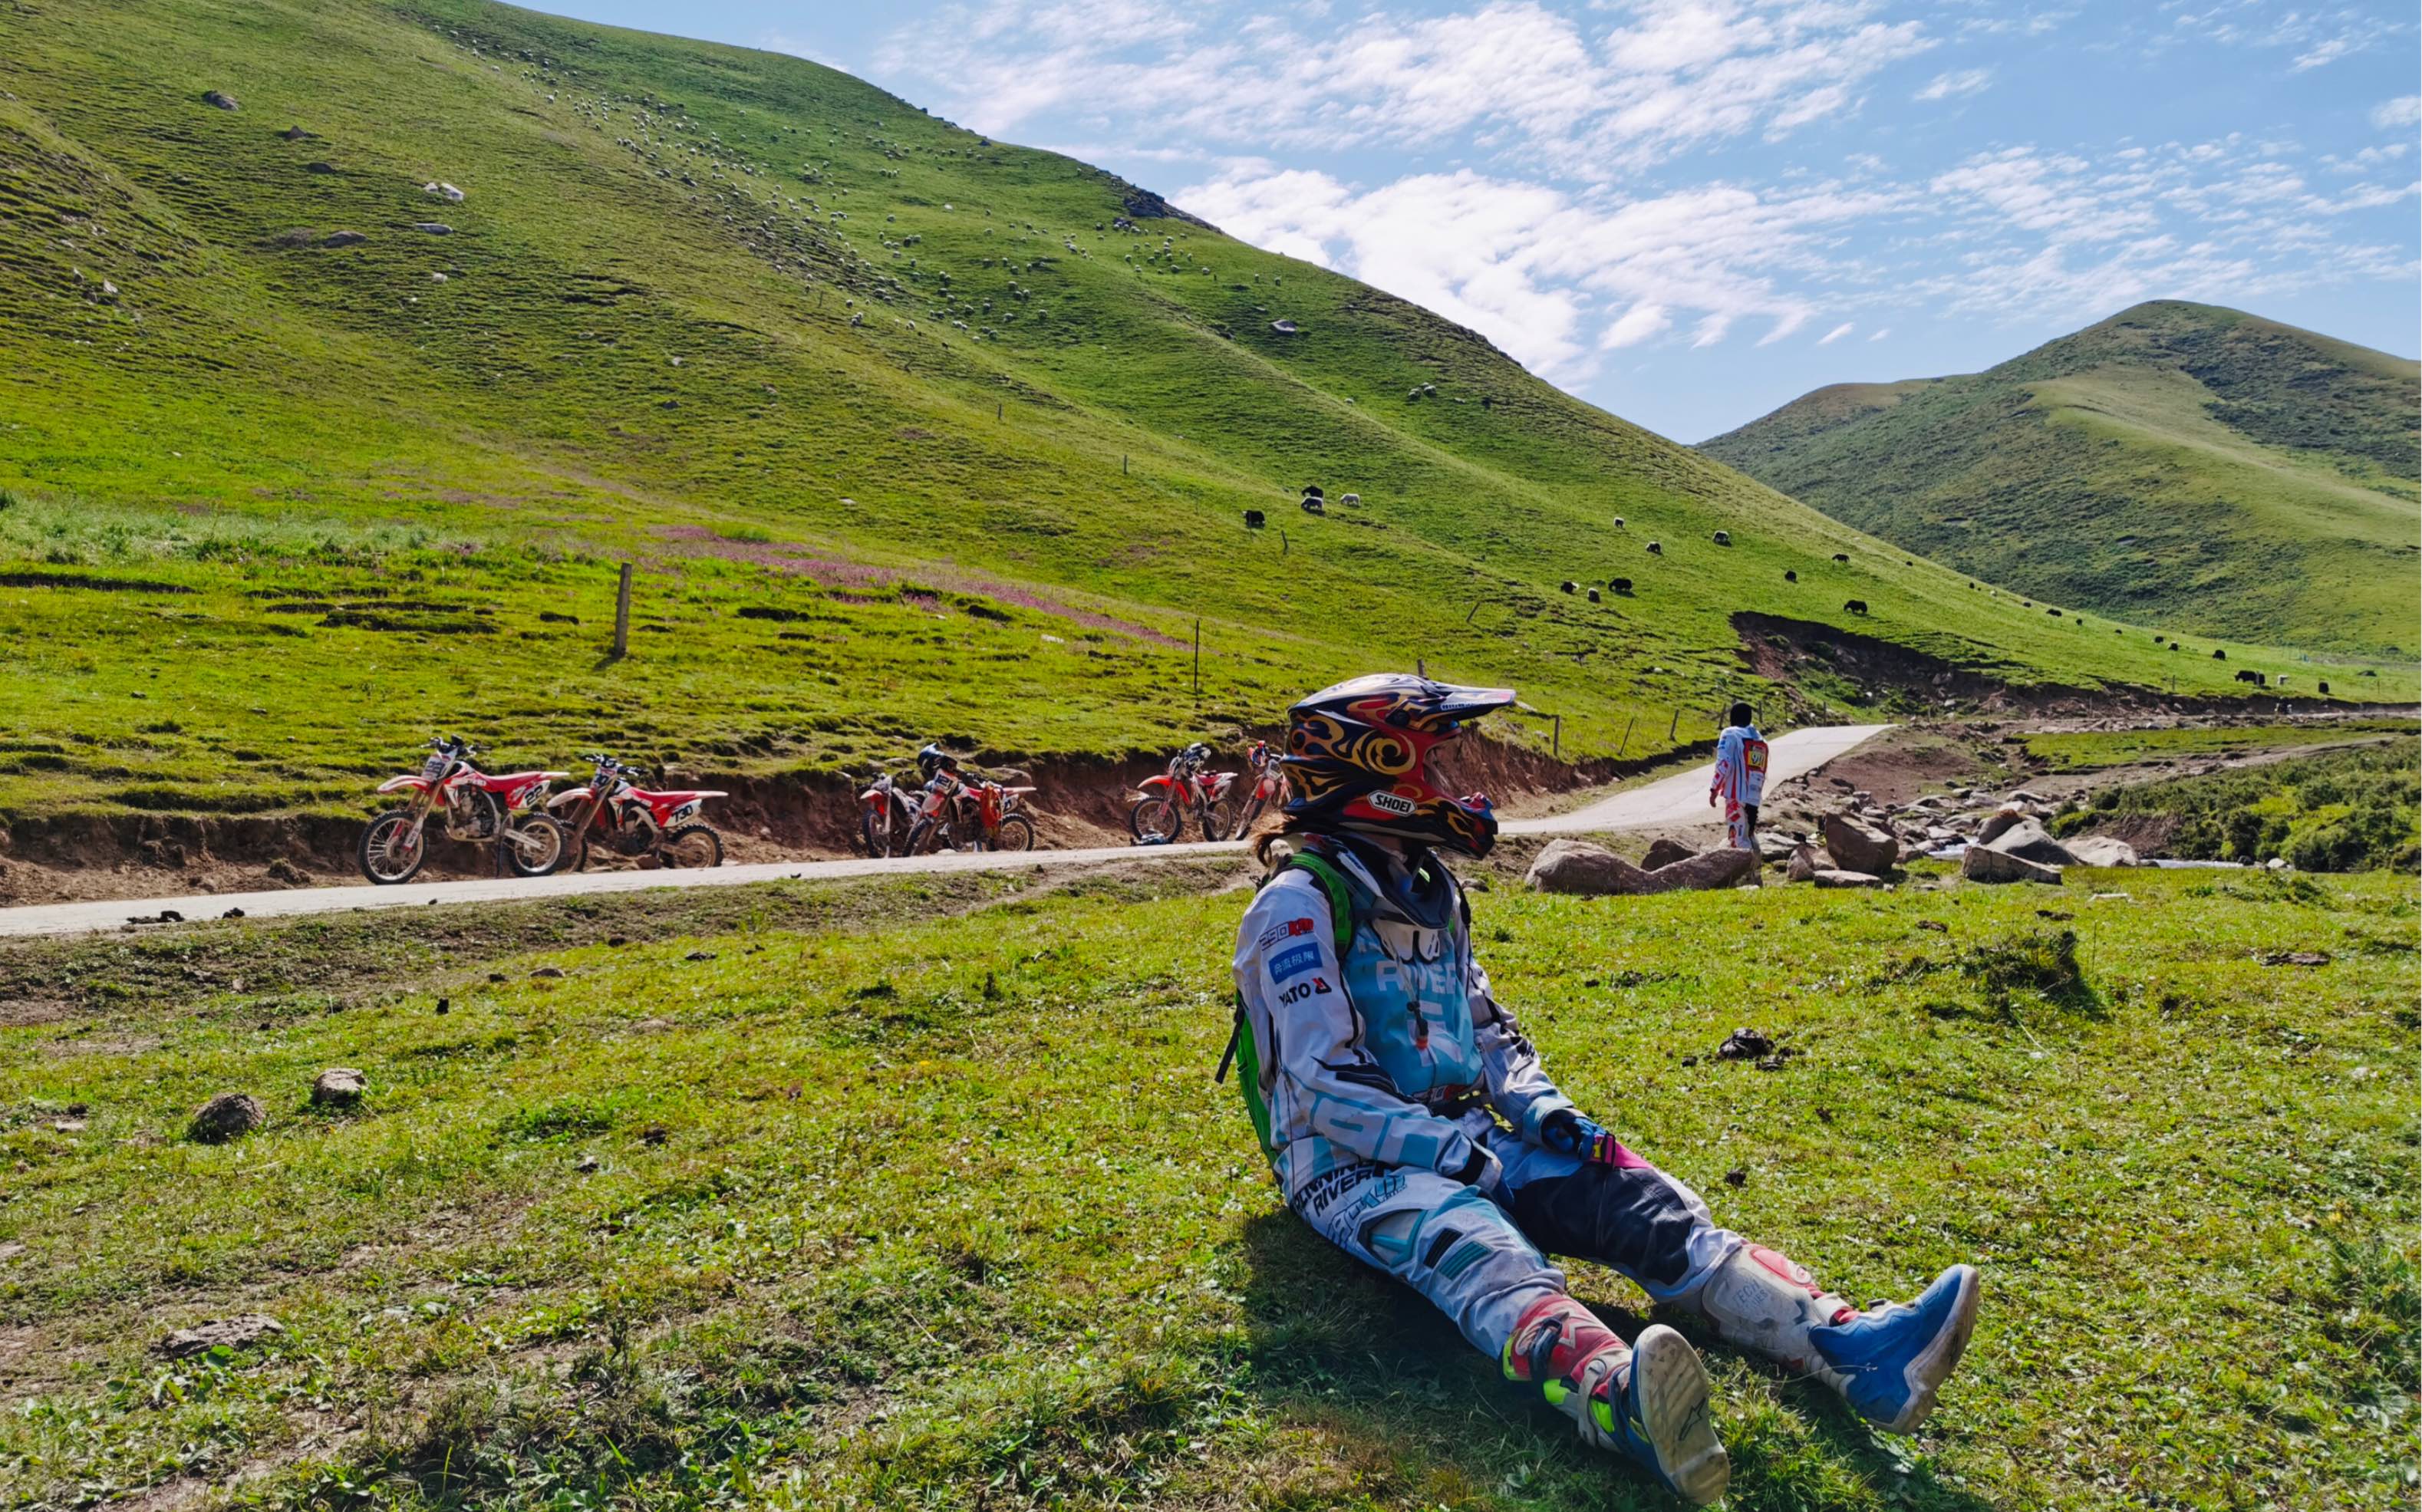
(1357, 757)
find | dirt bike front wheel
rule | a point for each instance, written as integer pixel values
(691, 847)
(390, 853)
(1155, 822)
(1016, 833)
(875, 829)
(534, 845)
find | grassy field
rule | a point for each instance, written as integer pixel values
(2341, 811)
(2089, 750)
(2223, 474)
(911, 434)
(921, 1196)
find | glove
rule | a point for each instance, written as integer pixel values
(1565, 1133)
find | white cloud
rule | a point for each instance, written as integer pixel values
(1515, 73)
(2405, 111)
(1836, 334)
(1954, 84)
(1635, 325)
(1881, 333)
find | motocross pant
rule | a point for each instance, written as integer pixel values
(1478, 1255)
(1741, 824)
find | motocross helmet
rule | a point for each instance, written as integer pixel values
(934, 759)
(1358, 759)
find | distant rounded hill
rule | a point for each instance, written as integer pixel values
(2177, 463)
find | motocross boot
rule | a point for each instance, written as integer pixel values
(1648, 1400)
(1888, 1363)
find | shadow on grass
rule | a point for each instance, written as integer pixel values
(1340, 1350)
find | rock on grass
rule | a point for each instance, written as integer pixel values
(234, 1332)
(229, 1115)
(340, 1086)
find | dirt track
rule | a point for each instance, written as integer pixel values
(1678, 800)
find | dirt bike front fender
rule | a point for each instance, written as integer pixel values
(405, 784)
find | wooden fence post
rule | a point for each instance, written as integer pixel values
(1627, 736)
(1556, 737)
(1675, 724)
(1198, 658)
(623, 615)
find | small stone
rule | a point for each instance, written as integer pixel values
(235, 1332)
(232, 913)
(67, 1125)
(1737, 1177)
(654, 1134)
(1744, 1044)
(1935, 924)
(496, 976)
(618, 941)
(700, 955)
(445, 1005)
(220, 100)
(433, 228)
(340, 1086)
(343, 239)
(548, 973)
(227, 1116)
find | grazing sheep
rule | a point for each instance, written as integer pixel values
(1350, 498)
(1790, 576)
(1254, 520)
(1313, 504)
(1856, 606)
(2055, 613)
(1656, 548)
(1724, 537)
(1842, 557)
(1618, 522)
(1593, 595)
(2325, 687)
(2218, 654)
(1620, 585)
(1569, 586)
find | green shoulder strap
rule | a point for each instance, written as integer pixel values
(1341, 893)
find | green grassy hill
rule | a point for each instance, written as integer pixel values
(2178, 463)
(912, 433)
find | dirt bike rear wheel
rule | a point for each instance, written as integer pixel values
(1156, 821)
(1016, 833)
(1219, 819)
(545, 851)
(378, 855)
(691, 847)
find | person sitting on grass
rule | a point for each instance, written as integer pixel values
(1411, 1122)
(1741, 777)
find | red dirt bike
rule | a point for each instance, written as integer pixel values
(610, 816)
(477, 808)
(1186, 790)
(886, 813)
(956, 812)
(1269, 785)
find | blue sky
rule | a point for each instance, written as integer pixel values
(1690, 211)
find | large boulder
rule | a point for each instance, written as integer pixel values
(1579, 867)
(2102, 850)
(2030, 839)
(1984, 864)
(1999, 820)
(1665, 853)
(1857, 845)
(1773, 846)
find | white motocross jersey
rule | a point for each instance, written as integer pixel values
(1740, 764)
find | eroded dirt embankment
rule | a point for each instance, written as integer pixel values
(805, 815)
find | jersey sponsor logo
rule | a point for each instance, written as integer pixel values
(1285, 930)
(1294, 962)
(1754, 753)
(1329, 1185)
(1316, 987)
(1395, 803)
